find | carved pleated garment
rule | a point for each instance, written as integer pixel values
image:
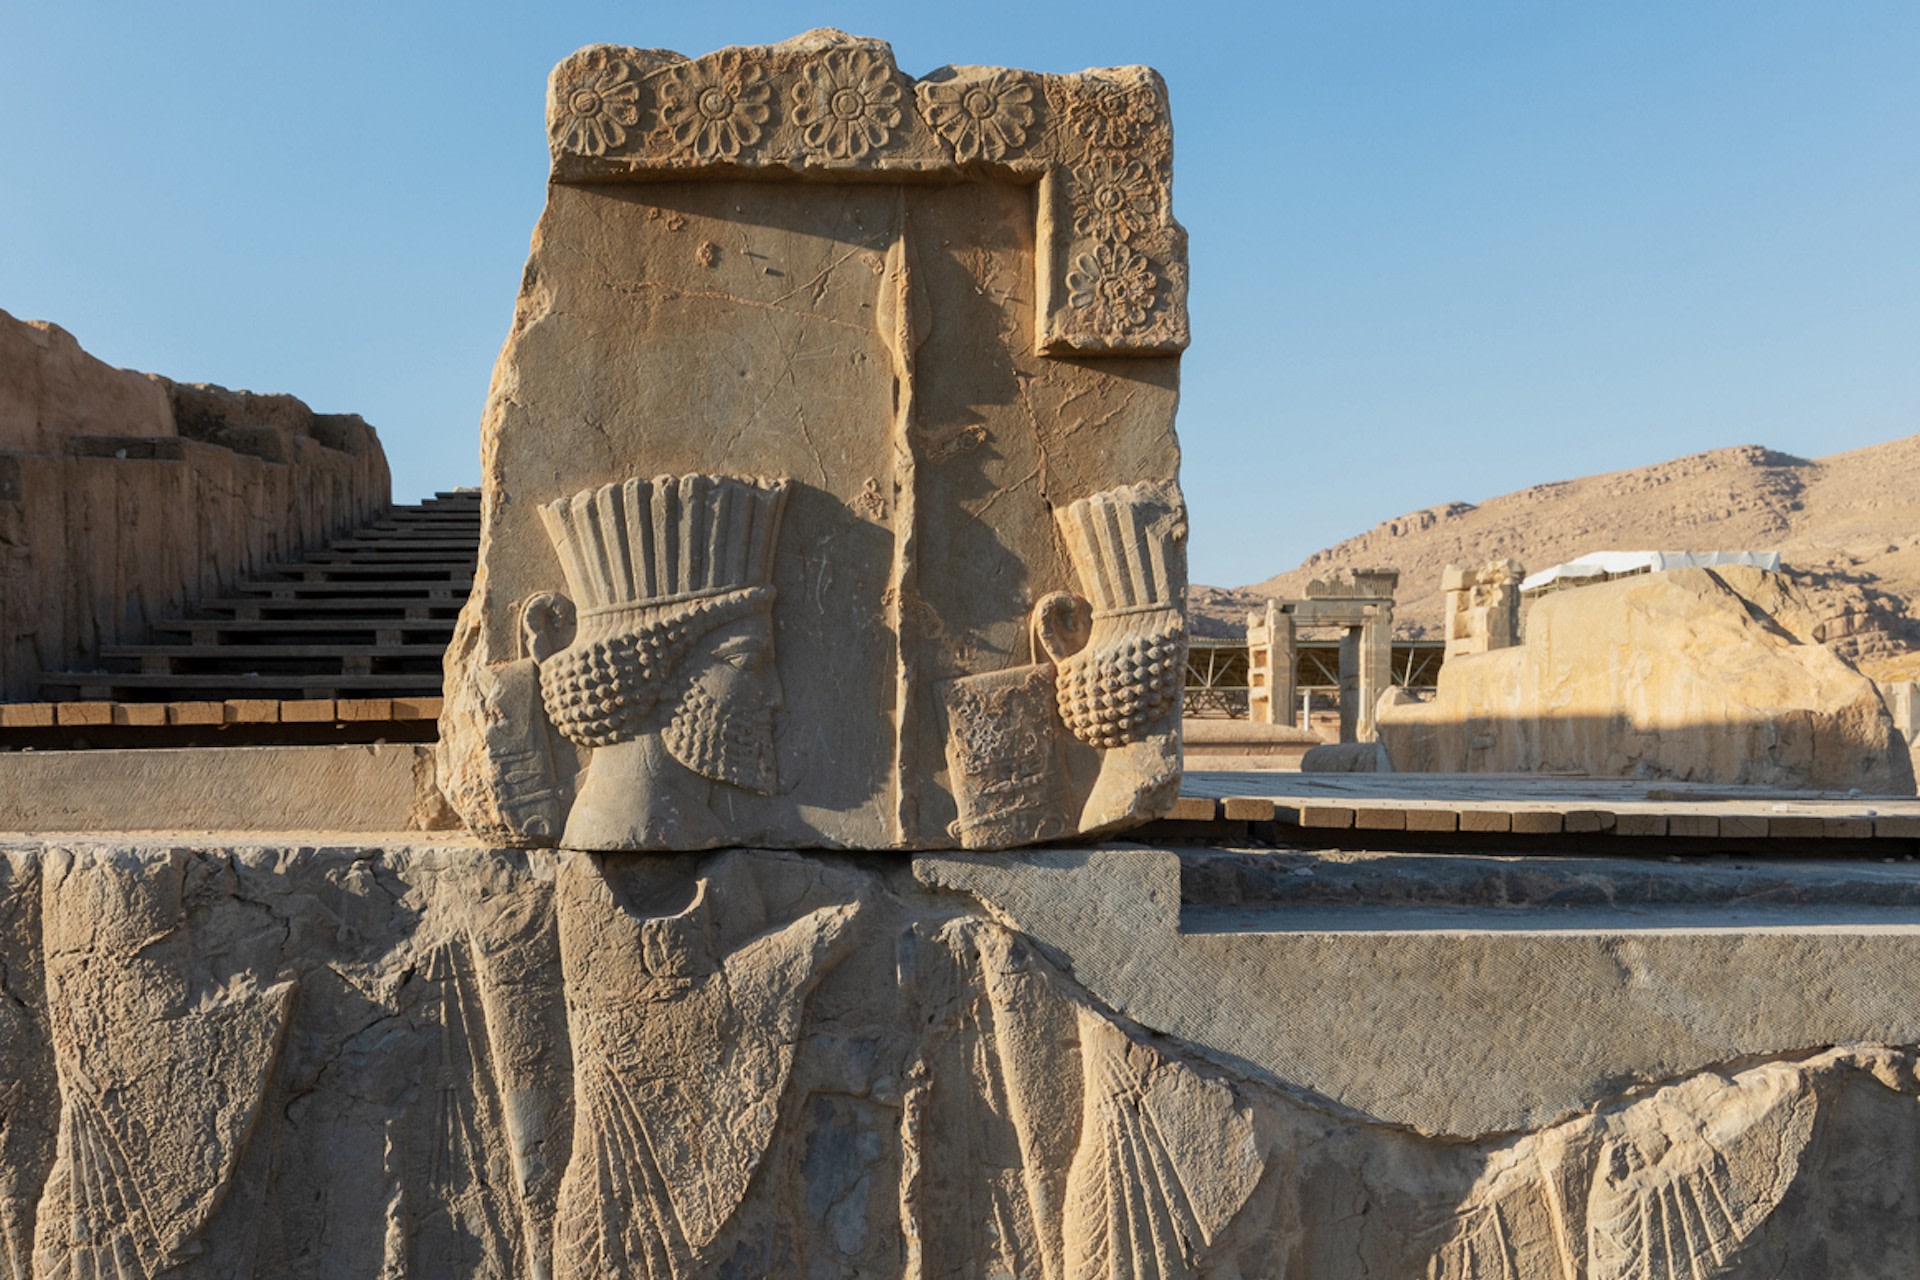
(681, 1058)
(468, 1217)
(1166, 1159)
(989, 1123)
(1694, 1171)
(161, 1082)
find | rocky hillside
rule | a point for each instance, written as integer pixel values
(1847, 528)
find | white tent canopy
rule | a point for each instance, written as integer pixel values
(1614, 564)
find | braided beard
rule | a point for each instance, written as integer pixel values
(726, 744)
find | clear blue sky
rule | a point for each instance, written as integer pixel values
(1440, 249)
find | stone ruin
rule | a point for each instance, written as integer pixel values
(830, 488)
(1699, 675)
(805, 583)
(124, 495)
(1360, 605)
(1483, 607)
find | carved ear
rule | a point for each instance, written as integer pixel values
(1061, 624)
(546, 625)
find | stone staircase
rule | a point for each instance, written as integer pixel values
(354, 631)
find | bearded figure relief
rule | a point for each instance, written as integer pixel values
(669, 676)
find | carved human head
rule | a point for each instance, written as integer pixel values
(675, 632)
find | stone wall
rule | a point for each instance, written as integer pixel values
(446, 1059)
(124, 497)
(1702, 675)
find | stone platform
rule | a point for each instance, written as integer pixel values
(1317, 809)
(305, 1055)
(374, 788)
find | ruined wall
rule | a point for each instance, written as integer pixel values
(124, 497)
(1704, 675)
(455, 1060)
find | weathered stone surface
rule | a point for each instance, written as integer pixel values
(453, 1060)
(1696, 674)
(1243, 744)
(381, 787)
(51, 389)
(1347, 757)
(1441, 1011)
(124, 497)
(829, 468)
(1483, 607)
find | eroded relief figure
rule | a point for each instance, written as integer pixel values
(1108, 673)
(669, 677)
(1679, 1183)
(163, 1071)
(686, 998)
(1041, 1139)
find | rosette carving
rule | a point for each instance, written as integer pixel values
(1118, 198)
(1114, 285)
(1112, 115)
(712, 111)
(983, 118)
(846, 104)
(595, 103)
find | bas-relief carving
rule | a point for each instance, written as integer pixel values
(29, 1117)
(669, 675)
(1686, 1181)
(1109, 676)
(684, 1030)
(1099, 143)
(132, 1012)
(576, 1065)
(889, 347)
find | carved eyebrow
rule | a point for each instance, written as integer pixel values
(738, 644)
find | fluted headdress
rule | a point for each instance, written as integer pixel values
(664, 540)
(1121, 541)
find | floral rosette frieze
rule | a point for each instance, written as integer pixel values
(1115, 197)
(981, 118)
(1113, 285)
(846, 104)
(595, 104)
(1109, 260)
(714, 111)
(1117, 283)
(1112, 115)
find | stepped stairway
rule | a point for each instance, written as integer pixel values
(352, 633)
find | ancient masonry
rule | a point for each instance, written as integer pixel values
(1360, 606)
(832, 559)
(899, 418)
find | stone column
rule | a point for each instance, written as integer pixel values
(1270, 665)
(1373, 671)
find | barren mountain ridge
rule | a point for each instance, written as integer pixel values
(1847, 528)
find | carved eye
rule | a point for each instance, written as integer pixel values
(743, 655)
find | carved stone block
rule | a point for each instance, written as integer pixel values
(830, 492)
(447, 1061)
